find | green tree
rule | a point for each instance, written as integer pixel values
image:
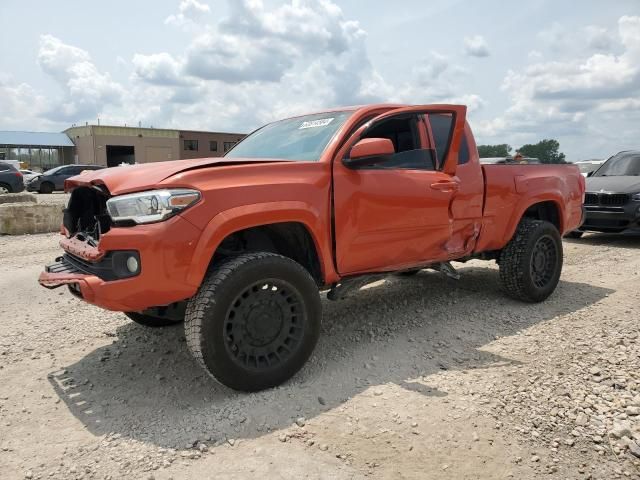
(486, 151)
(545, 150)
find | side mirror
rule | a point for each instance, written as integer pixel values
(369, 151)
(589, 174)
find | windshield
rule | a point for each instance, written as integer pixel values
(621, 164)
(300, 138)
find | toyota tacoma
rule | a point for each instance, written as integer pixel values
(240, 247)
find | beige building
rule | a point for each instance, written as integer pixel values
(111, 146)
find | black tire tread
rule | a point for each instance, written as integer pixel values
(206, 296)
(47, 187)
(512, 274)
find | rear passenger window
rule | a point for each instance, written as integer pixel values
(463, 156)
(441, 125)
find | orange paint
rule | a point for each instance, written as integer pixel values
(360, 220)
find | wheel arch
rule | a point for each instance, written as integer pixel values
(292, 229)
(550, 209)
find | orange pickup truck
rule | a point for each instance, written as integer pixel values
(239, 247)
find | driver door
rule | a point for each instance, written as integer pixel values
(397, 214)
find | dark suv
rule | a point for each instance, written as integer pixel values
(612, 198)
(54, 179)
(11, 180)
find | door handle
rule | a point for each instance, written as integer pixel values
(446, 186)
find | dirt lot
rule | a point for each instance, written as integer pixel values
(421, 377)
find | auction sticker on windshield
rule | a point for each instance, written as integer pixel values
(316, 123)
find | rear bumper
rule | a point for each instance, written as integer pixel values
(612, 219)
(165, 251)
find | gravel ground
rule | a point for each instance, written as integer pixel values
(420, 377)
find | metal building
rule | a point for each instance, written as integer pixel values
(38, 150)
(112, 145)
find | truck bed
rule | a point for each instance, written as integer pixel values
(509, 189)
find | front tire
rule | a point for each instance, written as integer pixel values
(531, 263)
(254, 321)
(46, 187)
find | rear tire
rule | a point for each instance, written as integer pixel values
(531, 263)
(254, 321)
(46, 187)
(4, 188)
(574, 234)
(150, 320)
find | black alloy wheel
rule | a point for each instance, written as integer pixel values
(264, 324)
(543, 261)
(254, 321)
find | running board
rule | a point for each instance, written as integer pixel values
(341, 290)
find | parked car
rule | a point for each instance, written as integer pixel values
(612, 198)
(53, 180)
(11, 180)
(28, 175)
(238, 247)
(588, 166)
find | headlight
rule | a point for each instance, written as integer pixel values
(151, 206)
(636, 197)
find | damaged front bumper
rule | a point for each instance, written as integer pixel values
(99, 274)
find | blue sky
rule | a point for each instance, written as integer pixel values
(527, 70)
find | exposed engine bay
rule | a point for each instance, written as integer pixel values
(86, 215)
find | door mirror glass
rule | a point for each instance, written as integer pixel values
(369, 151)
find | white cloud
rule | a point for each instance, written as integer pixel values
(263, 63)
(85, 90)
(476, 46)
(230, 58)
(159, 68)
(559, 97)
(256, 44)
(189, 12)
(21, 105)
(599, 38)
(534, 55)
(258, 64)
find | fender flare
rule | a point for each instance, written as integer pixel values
(554, 197)
(254, 215)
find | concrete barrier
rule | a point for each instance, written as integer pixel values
(17, 198)
(21, 218)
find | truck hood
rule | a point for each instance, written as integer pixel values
(619, 184)
(135, 178)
